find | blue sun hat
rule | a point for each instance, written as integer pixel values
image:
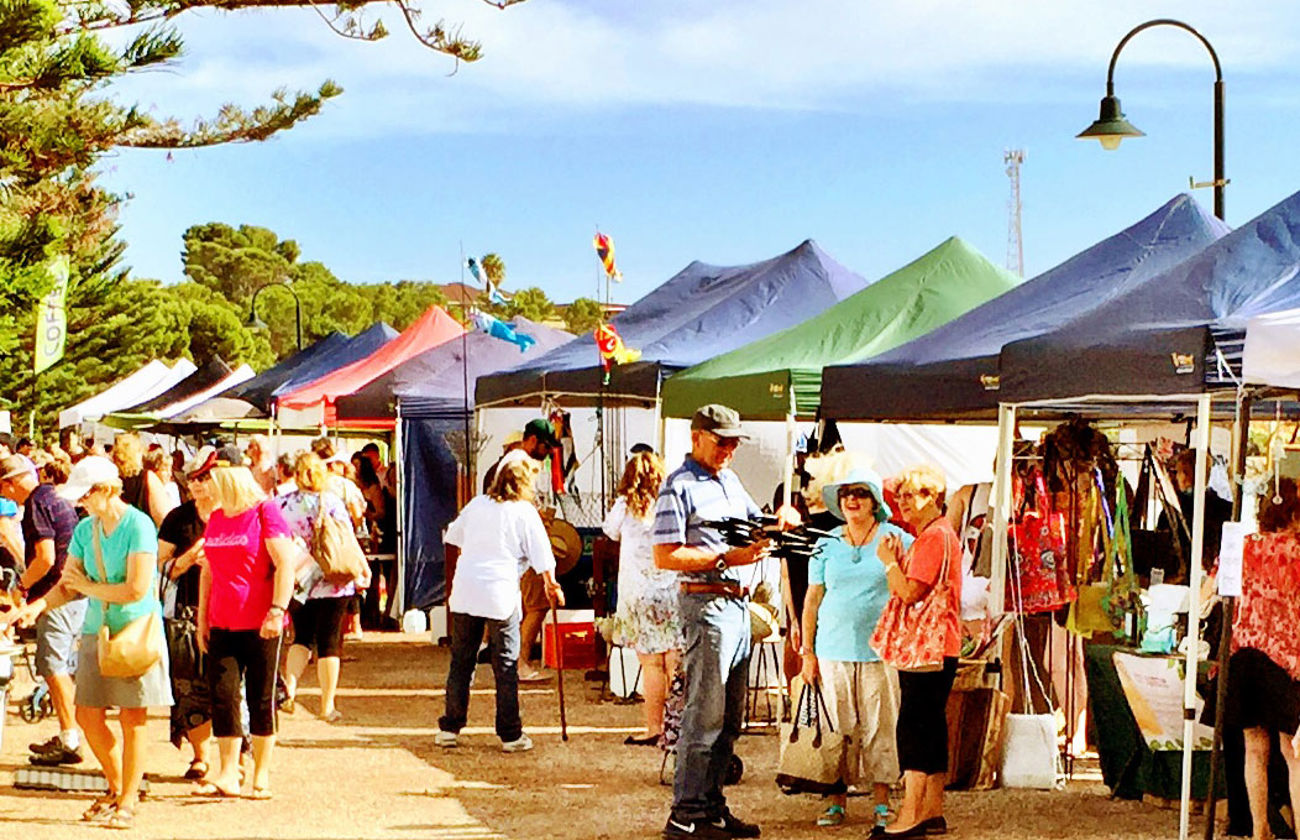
(865, 477)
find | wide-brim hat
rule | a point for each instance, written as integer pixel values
(859, 476)
(87, 474)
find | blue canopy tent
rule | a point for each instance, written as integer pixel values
(358, 347)
(701, 312)
(951, 373)
(258, 390)
(427, 395)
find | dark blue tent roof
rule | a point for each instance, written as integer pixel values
(701, 312)
(432, 384)
(358, 347)
(952, 372)
(258, 390)
(1178, 333)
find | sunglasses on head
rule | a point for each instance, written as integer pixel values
(855, 493)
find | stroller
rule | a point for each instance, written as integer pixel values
(673, 708)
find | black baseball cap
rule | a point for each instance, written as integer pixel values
(722, 421)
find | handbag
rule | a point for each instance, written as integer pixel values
(910, 637)
(1029, 754)
(1162, 547)
(1037, 545)
(335, 548)
(137, 647)
(813, 754)
(1102, 606)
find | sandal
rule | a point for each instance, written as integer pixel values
(260, 793)
(101, 809)
(214, 789)
(198, 769)
(122, 818)
(642, 740)
(834, 816)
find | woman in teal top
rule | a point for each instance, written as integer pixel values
(125, 589)
(847, 591)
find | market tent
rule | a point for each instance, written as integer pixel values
(1181, 332)
(205, 376)
(701, 312)
(952, 373)
(432, 328)
(146, 383)
(243, 373)
(358, 347)
(431, 391)
(432, 384)
(763, 379)
(259, 389)
(1272, 352)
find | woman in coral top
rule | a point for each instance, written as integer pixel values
(1264, 672)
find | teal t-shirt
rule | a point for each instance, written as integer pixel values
(856, 594)
(135, 533)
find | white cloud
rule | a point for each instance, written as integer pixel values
(546, 56)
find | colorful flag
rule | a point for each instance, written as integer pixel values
(52, 318)
(605, 250)
(612, 350)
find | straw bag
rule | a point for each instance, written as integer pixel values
(137, 647)
(336, 550)
(910, 637)
(813, 754)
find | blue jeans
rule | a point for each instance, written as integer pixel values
(716, 657)
(503, 636)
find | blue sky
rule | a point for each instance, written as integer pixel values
(725, 131)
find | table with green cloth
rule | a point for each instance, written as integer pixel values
(1130, 769)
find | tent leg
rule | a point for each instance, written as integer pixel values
(1002, 504)
(1200, 442)
(400, 586)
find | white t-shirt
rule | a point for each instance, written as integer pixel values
(497, 541)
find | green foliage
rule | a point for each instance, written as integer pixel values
(531, 303)
(583, 316)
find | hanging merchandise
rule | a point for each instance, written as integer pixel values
(1037, 545)
(564, 461)
(1105, 606)
(1157, 547)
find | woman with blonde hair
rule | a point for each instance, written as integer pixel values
(647, 619)
(112, 561)
(915, 574)
(498, 534)
(317, 621)
(244, 594)
(141, 488)
(157, 463)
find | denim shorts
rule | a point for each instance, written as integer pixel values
(57, 634)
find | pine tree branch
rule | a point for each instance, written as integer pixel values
(232, 124)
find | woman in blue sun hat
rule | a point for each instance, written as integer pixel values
(847, 591)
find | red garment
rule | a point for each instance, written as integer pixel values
(242, 571)
(923, 563)
(1268, 615)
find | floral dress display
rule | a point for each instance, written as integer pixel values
(647, 618)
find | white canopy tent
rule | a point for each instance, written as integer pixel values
(1272, 352)
(143, 385)
(239, 375)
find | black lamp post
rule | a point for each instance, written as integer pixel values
(258, 324)
(1111, 127)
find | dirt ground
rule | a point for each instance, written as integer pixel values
(378, 774)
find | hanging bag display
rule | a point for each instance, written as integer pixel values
(1103, 606)
(137, 647)
(813, 754)
(1159, 547)
(1037, 545)
(910, 637)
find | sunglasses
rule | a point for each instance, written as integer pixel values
(854, 493)
(724, 442)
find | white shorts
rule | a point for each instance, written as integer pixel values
(862, 698)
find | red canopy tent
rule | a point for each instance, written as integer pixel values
(433, 328)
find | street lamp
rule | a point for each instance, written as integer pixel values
(1111, 126)
(257, 323)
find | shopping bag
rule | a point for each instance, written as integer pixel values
(1037, 545)
(1029, 755)
(910, 637)
(813, 754)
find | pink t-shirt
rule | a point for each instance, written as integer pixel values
(242, 571)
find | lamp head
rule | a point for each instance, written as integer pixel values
(254, 322)
(1111, 127)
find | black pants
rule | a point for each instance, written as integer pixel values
(318, 625)
(923, 718)
(466, 632)
(242, 654)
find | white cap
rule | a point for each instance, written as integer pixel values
(87, 473)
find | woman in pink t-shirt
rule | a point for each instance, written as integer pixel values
(247, 581)
(922, 731)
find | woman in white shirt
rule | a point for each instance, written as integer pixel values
(646, 620)
(499, 536)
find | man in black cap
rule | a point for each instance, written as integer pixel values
(715, 620)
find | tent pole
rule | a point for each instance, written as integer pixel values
(790, 432)
(1200, 442)
(1241, 443)
(1002, 504)
(399, 465)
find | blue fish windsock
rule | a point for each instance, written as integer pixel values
(499, 329)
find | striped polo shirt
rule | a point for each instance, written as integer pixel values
(692, 495)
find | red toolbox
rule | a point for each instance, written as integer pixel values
(577, 642)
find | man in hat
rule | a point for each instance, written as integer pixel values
(715, 619)
(48, 522)
(536, 441)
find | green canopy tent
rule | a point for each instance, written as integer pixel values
(780, 376)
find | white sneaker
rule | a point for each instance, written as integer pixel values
(447, 740)
(523, 744)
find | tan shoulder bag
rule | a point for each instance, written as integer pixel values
(137, 647)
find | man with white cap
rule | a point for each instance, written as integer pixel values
(48, 522)
(715, 619)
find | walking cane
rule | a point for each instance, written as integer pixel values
(559, 669)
